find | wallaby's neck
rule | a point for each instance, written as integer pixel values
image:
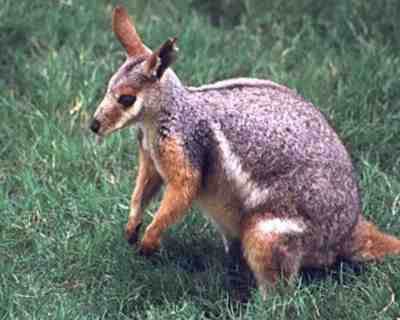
(174, 92)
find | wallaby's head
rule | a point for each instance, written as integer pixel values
(134, 91)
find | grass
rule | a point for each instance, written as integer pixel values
(64, 200)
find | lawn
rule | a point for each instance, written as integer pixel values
(64, 200)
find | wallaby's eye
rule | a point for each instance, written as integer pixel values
(126, 100)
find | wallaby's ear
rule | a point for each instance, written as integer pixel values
(161, 59)
(126, 33)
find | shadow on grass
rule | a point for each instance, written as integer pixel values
(207, 271)
(188, 271)
(343, 272)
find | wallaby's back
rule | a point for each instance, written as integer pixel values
(273, 152)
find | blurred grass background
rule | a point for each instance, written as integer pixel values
(64, 200)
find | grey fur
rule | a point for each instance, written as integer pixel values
(284, 145)
(282, 141)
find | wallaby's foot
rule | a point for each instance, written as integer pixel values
(132, 232)
(147, 249)
(150, 244)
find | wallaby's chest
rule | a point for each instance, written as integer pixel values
(151, 145)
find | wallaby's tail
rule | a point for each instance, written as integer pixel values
(368, 243)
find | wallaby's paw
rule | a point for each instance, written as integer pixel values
(149, 246)
(132, 232)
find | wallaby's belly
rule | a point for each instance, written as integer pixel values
(220, 203)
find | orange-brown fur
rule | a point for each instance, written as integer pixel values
(369, 243)
(148, 182)
(271, 256)
(126, 32)
(182, 184)
(219, 203)
(226, 214)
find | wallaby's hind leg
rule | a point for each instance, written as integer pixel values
(368, 243)
(272, 249)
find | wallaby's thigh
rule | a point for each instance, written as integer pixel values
(273, 248)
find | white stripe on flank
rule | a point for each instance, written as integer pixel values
(237, 82)
(277, 225)
(250, 193)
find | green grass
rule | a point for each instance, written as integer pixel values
(64, 200)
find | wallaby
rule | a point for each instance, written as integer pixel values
(261, 162)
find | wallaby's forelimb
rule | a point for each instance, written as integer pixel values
(182, 183)
(148, 183)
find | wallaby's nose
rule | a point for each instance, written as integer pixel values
(94, 125)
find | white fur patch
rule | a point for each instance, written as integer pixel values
(148, 143)
(248, 82)
(250, 193)
(145, 141)
(277, 225)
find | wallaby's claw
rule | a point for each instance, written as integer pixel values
(132, 236)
